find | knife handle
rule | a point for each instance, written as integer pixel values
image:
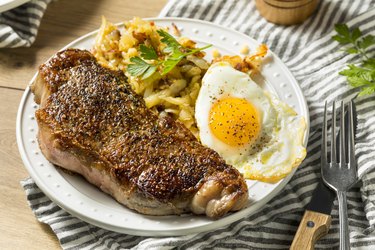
(313, 226)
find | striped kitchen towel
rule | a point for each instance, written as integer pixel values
(19, 26)
(314, 59)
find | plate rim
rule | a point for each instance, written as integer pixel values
(176, 232)
(11, 4)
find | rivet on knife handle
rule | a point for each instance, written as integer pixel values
(313, 226)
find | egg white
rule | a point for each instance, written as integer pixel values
(279, 145)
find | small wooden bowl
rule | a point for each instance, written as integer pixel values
(286, 12)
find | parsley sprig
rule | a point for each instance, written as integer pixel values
(361, 75)
(172, 54)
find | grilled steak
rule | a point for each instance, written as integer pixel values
(92, 123)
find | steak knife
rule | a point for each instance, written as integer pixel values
(316, 220)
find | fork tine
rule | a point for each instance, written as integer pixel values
(340, 179)
(351, 154)
(324, 137)
(333, 135)
(342, 135)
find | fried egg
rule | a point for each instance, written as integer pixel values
(249, 127)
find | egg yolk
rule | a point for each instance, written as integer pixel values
(234, 121)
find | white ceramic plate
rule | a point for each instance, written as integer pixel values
(10, 4)
(87, 202)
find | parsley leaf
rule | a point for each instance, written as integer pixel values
(176, 57)
(148, 53)
(151, 70)
(361, 75)
(342, 29)
(173, 53)
(366, 42)
(169, 65)
(170, 41)
(140, 67)
(356, 33)
(369, 63)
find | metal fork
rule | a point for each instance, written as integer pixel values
(340, 174)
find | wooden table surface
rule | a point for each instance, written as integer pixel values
(63, 22)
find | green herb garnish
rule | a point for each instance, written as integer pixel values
(140, 68)
(173, 53)
(362, 75)
(148, 53)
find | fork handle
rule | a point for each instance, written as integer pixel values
(343, 217)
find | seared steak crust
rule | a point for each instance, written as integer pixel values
(91, 115)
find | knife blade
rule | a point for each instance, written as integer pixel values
(316, 220)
